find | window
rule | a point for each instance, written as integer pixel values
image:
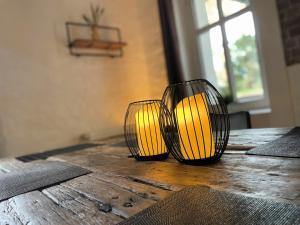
(228, 49)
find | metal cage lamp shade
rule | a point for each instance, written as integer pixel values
(142, 131)
(194, 122)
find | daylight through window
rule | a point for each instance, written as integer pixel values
(227, 47)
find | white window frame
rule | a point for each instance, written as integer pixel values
(247, 103)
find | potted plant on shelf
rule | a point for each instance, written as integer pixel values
(93, 21)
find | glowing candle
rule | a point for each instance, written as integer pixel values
(150, 140)
(194, 129)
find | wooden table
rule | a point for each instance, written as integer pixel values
(119, 187)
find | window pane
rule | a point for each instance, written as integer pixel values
(206, 12)
(213, 59)
(232, 6)
(243, 52)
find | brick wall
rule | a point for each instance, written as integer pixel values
(289, 15)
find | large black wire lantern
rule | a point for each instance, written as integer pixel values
(142, 131)
(194, 122)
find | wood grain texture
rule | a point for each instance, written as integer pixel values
(7, 215)
(85, 210)
(140, 188)
(108, 45)
(129, 186)
(34, 208)
(265, 177)
(123, 202)
(36, 175)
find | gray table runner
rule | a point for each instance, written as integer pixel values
(36, 175)
(286, 146)
(198, 205)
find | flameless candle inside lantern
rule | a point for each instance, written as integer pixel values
(194, 129)
(149, 137)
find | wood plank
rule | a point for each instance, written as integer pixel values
(140, 188)
(159, 184)
(252, 175)
(87, 211)
(7, 215)
(124, 203)
(111, 45)
(98, 161)
(130, 186)
(35, 208)
(35, 175)
(119, 181)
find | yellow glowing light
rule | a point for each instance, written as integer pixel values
(150, 140)
(195, 134)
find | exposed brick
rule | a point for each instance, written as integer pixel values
(291, 21)
(293, 11)
(283, 4)
(290, 43)
(298, 44)
(296, 52)
(295, 31)
(293, 2)
(289, 15)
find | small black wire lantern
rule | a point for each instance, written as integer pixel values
(194, 122)
(142, 131)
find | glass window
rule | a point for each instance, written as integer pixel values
(213, 58)
(243, 53)
(207, 12)
(232, 6)
(227, 47)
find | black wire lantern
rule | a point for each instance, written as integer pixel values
(142, 131)
(194, 122)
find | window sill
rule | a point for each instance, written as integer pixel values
(260, 111)
(253, 107)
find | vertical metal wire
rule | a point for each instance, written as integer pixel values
(141, 131)
(156, 138)
(168, 123)
(201, 136)
(177, 125)
(212, 117)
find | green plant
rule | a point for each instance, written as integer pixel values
(96, 12)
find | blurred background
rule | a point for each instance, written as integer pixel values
(249, 49)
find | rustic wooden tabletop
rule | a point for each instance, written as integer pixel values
(119, 187)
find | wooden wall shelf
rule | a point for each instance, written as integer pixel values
(97, 44)
(83, 46)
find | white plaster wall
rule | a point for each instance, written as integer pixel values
(269, 36)
(49, 98)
